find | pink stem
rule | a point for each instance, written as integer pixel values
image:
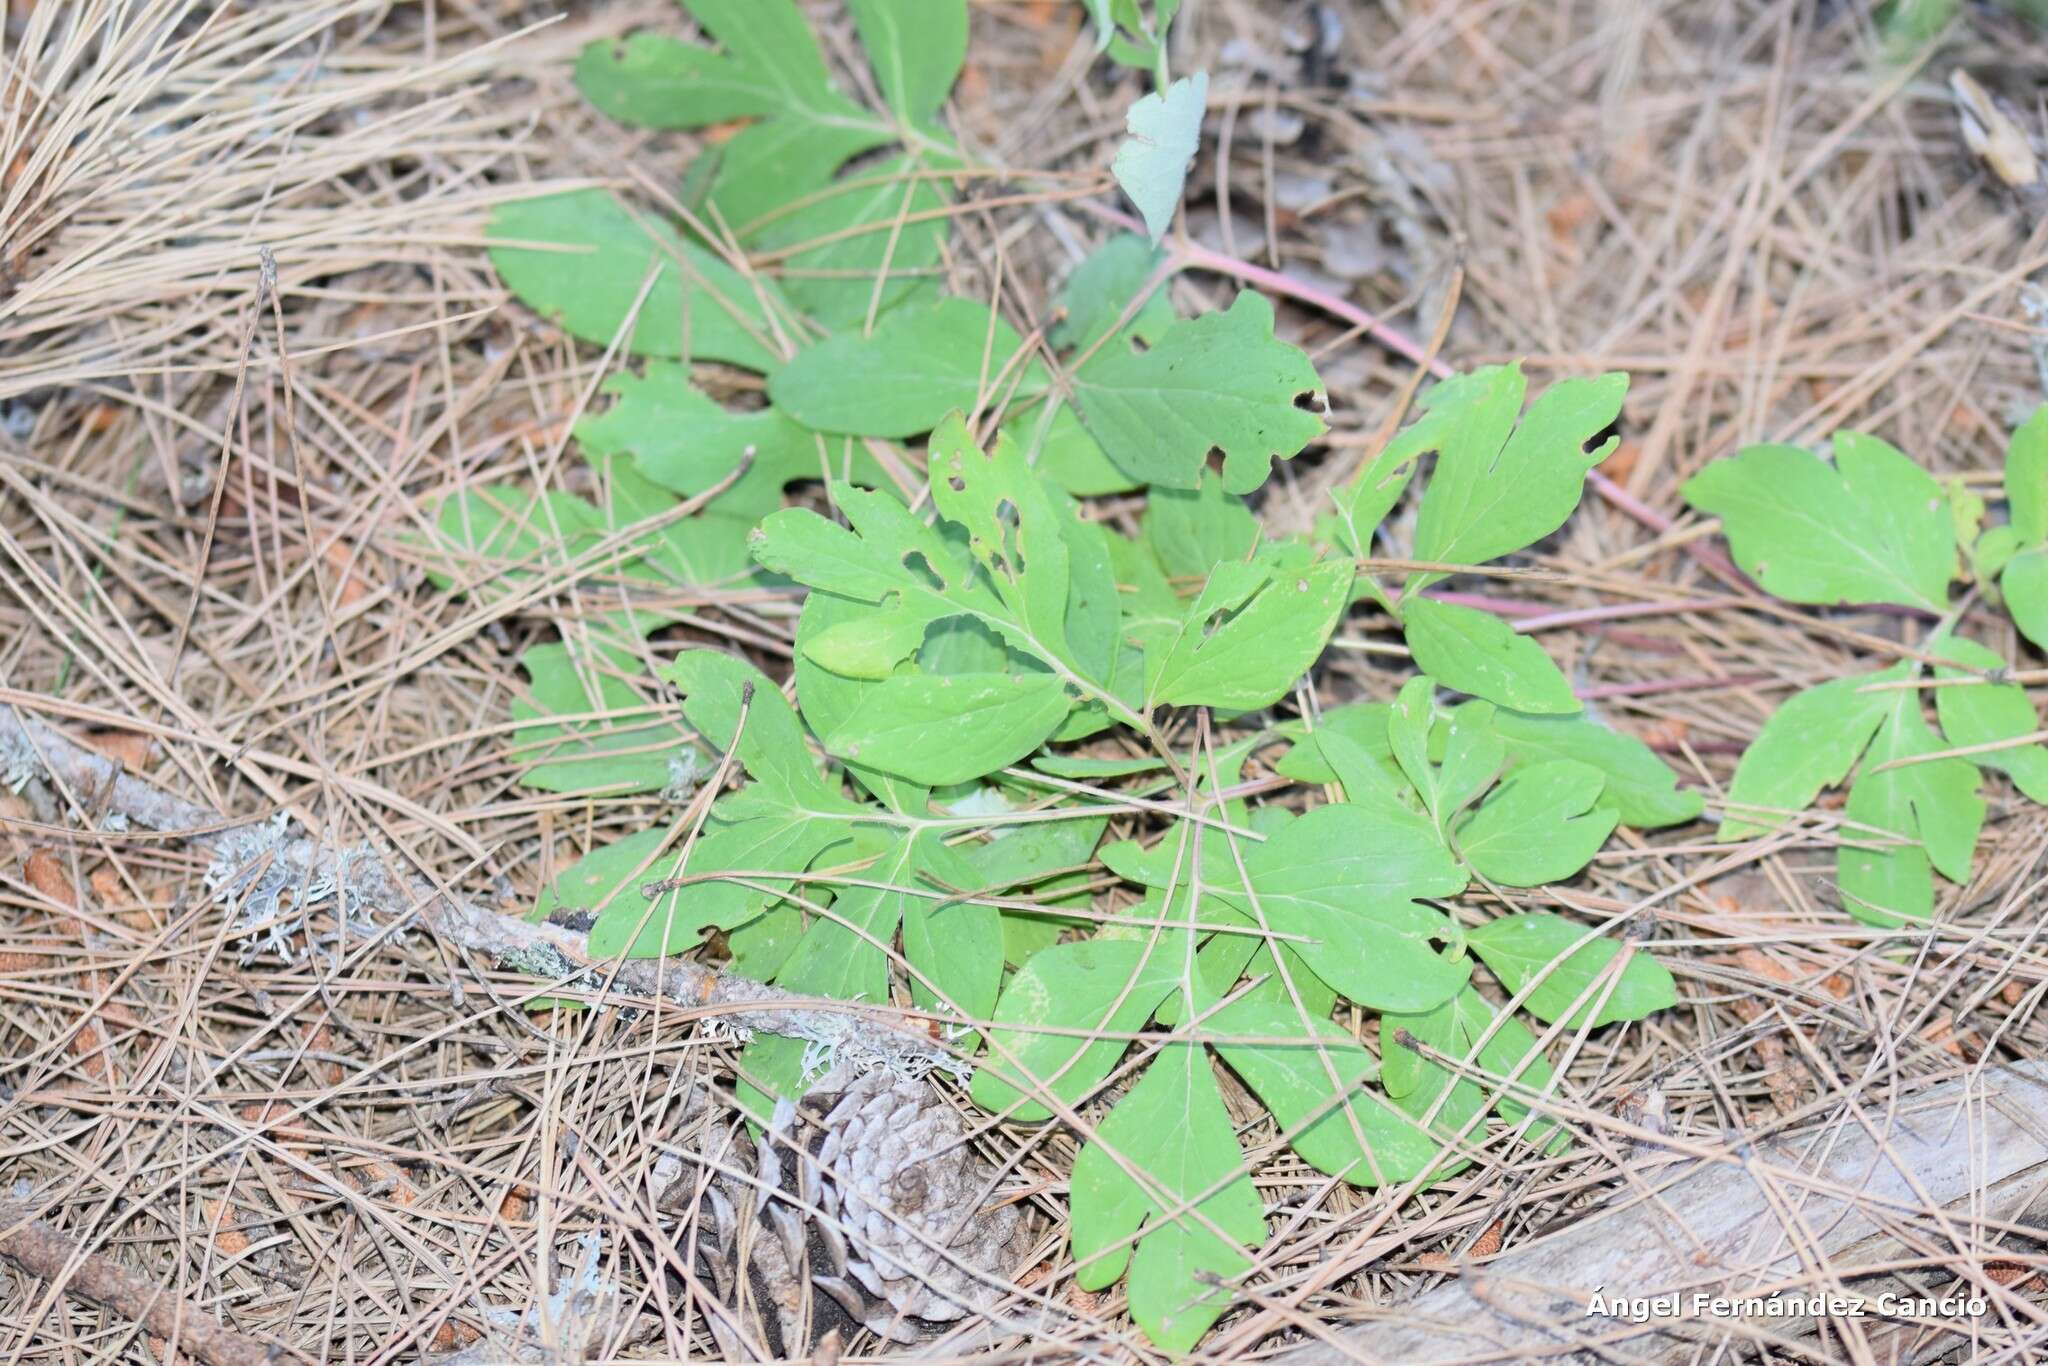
(1667, 685)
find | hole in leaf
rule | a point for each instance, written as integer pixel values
(1214, 460)
(1138, 344)
(916, 563)
(956, 483)
(1310, 402)
(1599, 438)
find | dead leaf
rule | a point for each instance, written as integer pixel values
(1991, 131)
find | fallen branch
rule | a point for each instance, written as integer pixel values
(1844, 1209)
(365, 877)
(47, 1254)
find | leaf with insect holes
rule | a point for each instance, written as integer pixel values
(1540, 825)
(1478, 653)
(587, 729)
(1165, 132)
(919, 365)
(1907, 817)
(1500, 485)
(1545, 949)
(1219, 382)
(1254, 630)
(1190, 1195)
(1872, 527)
(1043, 584)
(1809, 743)
(581, 258)
(1989, 713)
(1065, 1018)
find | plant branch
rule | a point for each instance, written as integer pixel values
(98, 787)
(53, 1256)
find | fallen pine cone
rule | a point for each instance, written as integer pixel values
(866, 1207)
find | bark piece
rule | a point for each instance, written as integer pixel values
(1939, 1168)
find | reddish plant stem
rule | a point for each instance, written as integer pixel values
(1670, 685)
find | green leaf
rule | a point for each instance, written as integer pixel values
(1217, 382)
(765, 168)
(1478, 653)
(1450, 1104)
(1042, 1043)
(581, 257)
(2026, 478)
(1251, 635)
(917, 366)
(1105, 287)
(1350, 883)
(1473, 753)
(2025, 585)
(1901, 823)
(915, 63)
(1871, 528)
(1198, 1208)
(1538, 826)
(607, 874)
(1523, 948)
(1363, 724)
(865, 242)
(1314, 1084)
(650, 80)
(1165, 133)
(762, 945)
(827, 698)
(1989, 713)
(1509, 1056)
(1056, 445)
(1809, 743)
(636, 750)
(720, 692)
(1640, 787)
(1494, 491)
(1192, 532)
(951, 728)
(1036, 860)
(685, 443)
(764, 839)
(844, 954)
(499, 537)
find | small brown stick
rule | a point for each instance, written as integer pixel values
(47, 1254)
(552, 952)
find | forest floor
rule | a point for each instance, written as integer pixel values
(219, 466)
